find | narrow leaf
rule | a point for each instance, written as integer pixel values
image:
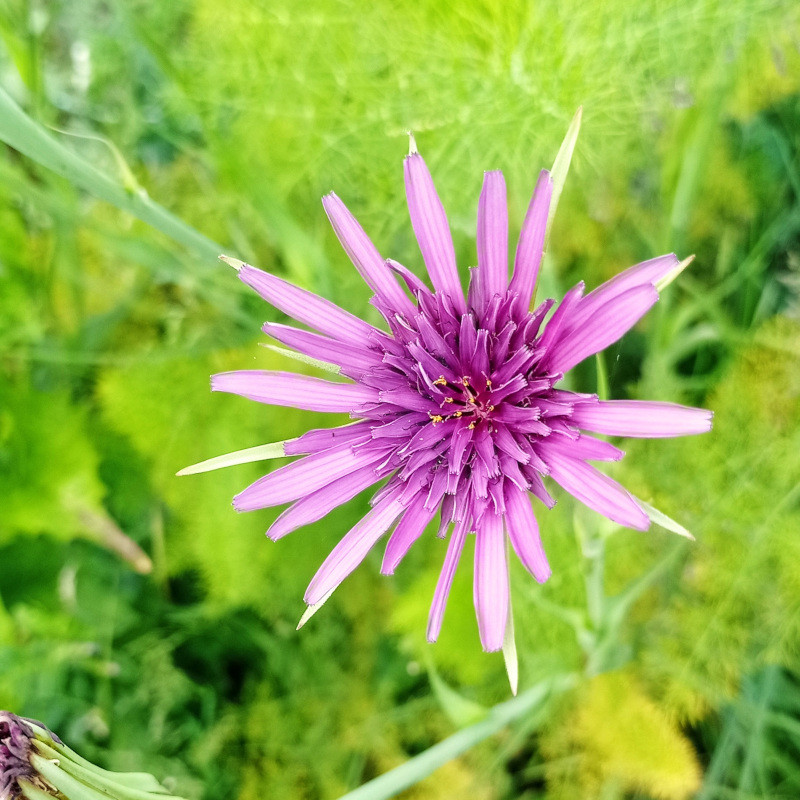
(22, 133)
(460, 710)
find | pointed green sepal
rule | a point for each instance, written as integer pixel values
(672, 274)
(662, 520)
(233, 262)
(558, 174)
(334, 369)
(261, 452)
(311, 610)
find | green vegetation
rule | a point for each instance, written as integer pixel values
(154, 628)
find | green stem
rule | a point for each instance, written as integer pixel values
(415, 769)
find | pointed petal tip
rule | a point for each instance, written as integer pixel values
(543, 575)
(412, 144)
(667, 279)
(233, 262)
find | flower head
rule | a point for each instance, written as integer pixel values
(35, 763)
(15, 747)
(456, 404)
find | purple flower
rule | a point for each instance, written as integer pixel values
(16, 735)
(35, 763)
(457, 406)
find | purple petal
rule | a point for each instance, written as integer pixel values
(531, 243)
(650, 271)
(597, 491)
(429, 220)
(365, 255)
(506, 441)
(411, 280)
(641, 418)
(408, 530)
(491, 581)
(437, 488)
(294, 391)
(493, 235)
(583, 448)
(608, 324)
(352, 549)
(306, 475)
(306, 307)
(537, 487)
(555, 325)
(442, 591)
(523, 531)
(353, 360)
(316, 505)
(318, 439)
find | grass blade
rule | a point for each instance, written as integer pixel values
(22, 133)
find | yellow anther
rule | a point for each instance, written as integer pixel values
(488, 384)
(457, 414)
(471, 426)
(491, 408)
(465, 380)
(440, 381)
(436, 418)
(448, 399)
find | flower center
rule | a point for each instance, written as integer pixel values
(464, 398)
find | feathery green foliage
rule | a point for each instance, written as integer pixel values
(236, 117)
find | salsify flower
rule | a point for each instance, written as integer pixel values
(37, 765)
(456, 405)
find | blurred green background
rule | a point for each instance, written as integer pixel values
(237, 116)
